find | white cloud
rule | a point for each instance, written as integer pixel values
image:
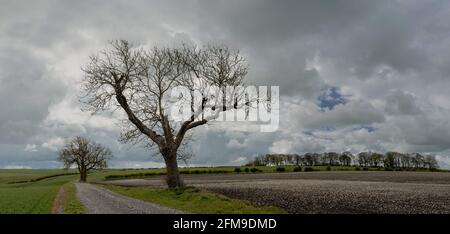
(54, 143)
(282, 147)
(16, 167)
(31, 148)
(233, 143)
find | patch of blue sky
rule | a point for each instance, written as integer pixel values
(330, 98)
(368, 128)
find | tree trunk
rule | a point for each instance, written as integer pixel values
(83, 176)
(173, 176)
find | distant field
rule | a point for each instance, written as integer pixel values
(19, 196)
(148, 173)
(12, 175)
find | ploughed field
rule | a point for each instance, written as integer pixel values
(328, 192)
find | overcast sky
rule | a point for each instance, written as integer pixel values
(353, 75)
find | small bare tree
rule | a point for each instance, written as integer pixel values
(85, 154)
(139, 81)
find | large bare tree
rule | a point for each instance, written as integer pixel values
(139, 81)
(85, 154)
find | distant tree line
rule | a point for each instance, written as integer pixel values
(363, 159)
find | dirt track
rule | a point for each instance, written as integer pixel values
(101, 201)
(330, 192)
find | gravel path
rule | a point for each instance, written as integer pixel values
(329, 192)
(102, 201)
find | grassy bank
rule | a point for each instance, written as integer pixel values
(194, 201)
(70, 202)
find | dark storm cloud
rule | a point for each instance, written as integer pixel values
(280, 38)
(26, 92)
(402, 103)
(389, 59)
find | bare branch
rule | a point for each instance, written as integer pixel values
(138, 81)
(86, 155)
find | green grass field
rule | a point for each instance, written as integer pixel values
(30, 198)
(38, 197)
(13, 175)
(194, 201)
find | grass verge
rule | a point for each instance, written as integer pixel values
(71, 204)
(193, 201)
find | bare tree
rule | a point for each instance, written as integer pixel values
(346, 158)
(139, 81)
(431, 162)
(392, 159)
(310, 159)
(185, 154)
(375, 159)
(331, 158)
(364, 158)
(85, 154)
(297, 159)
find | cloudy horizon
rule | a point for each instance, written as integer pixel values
(353, 75)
